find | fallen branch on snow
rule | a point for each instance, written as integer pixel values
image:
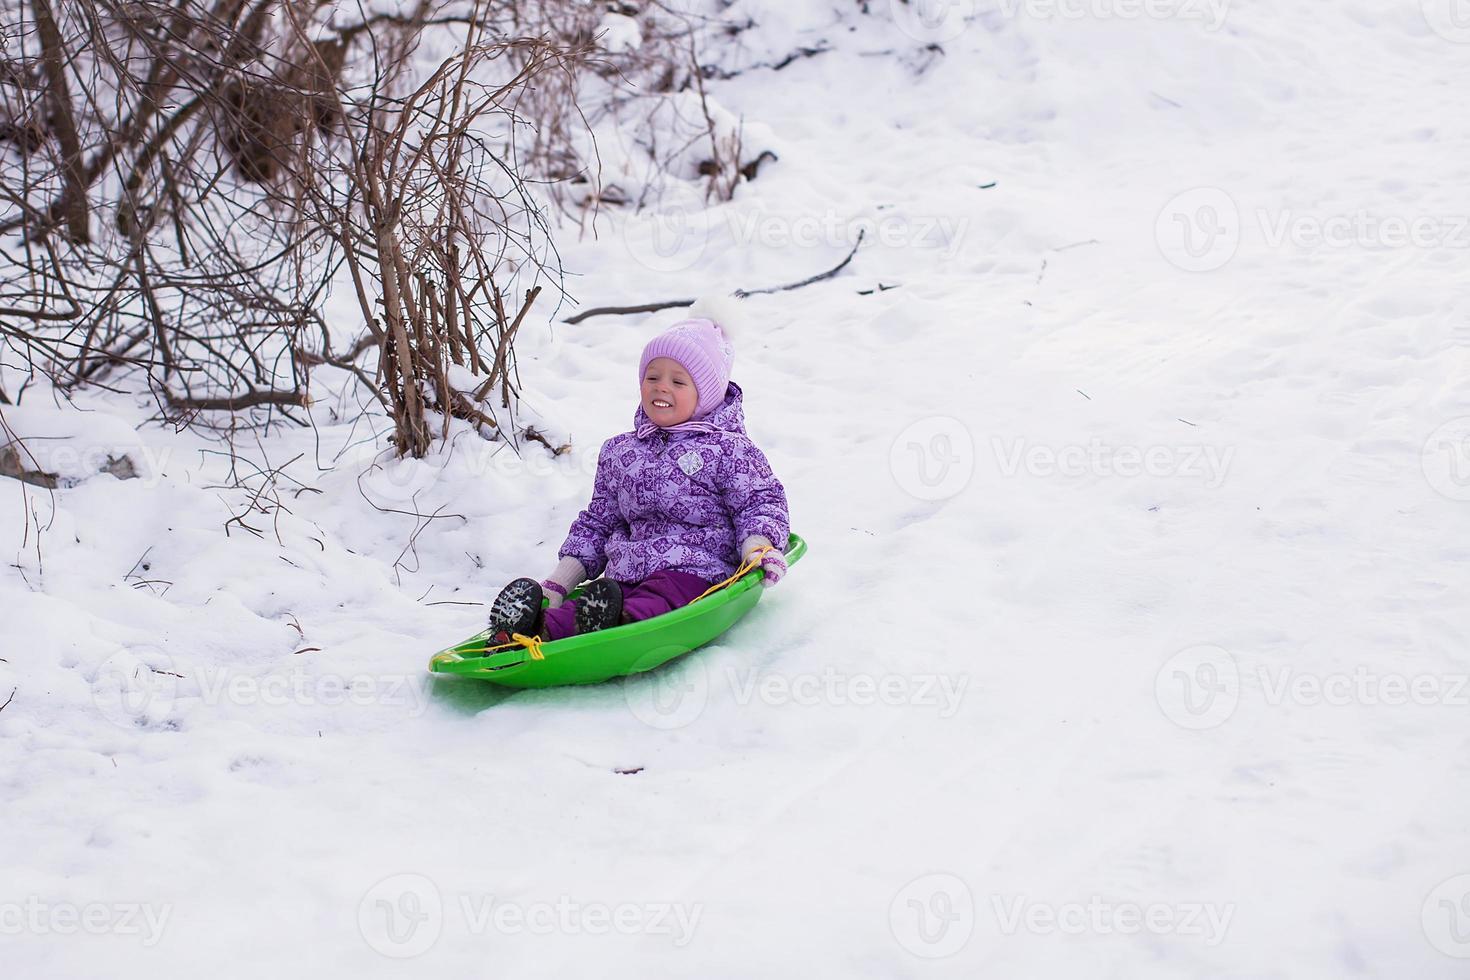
(739, 293)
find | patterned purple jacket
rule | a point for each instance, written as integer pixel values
(678, 499)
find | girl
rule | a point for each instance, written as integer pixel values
(677, 504)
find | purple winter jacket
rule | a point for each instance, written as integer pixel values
(678, 500)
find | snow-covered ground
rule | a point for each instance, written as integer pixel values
(1132, 638)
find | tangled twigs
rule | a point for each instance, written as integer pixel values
(427, 223)
(180, 184)
(136, 238)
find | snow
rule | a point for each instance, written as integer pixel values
(622, 33)
(1131, 641)
(69, 445)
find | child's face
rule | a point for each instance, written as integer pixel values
(668, 392)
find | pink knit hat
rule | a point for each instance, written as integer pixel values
(702, 346)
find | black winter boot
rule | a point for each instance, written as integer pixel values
(516, 610)
(600, 606)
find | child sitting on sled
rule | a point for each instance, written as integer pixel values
(677, 504)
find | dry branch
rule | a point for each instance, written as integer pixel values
(237, 403)
(740, 293)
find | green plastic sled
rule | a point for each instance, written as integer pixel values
(615, 652)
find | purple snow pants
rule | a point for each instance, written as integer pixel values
(654, 596)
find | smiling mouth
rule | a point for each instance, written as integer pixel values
(661, 404)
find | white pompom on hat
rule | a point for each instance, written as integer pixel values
(701, 343)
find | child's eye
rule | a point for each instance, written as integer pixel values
(679, 383)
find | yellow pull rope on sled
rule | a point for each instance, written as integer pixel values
(533, 643)
(752, 562)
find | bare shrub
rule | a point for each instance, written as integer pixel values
(183, 182)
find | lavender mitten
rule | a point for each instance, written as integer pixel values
(773, 563)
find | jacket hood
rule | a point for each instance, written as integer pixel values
(728, 417)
